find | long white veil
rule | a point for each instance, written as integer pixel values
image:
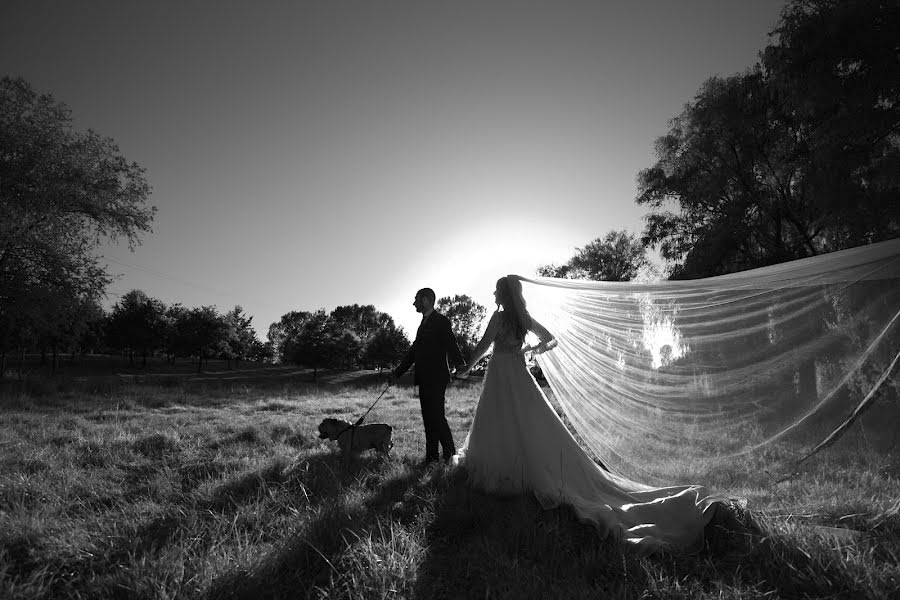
(723, 366)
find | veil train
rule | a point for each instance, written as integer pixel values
(719, 367)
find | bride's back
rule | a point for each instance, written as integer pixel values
(506, 340)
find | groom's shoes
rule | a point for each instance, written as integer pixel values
(428, 461)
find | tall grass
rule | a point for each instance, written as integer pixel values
(221, 489)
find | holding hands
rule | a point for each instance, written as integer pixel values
(462, 372)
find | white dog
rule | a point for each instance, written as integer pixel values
(353, 439)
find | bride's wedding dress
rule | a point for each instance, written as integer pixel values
(517, 443)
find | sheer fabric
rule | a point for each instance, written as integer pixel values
(723, 366)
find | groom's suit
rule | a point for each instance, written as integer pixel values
(434, 343)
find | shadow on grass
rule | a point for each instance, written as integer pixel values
(487, 546)
(741, 554)
(482, 545)
(479, 545)
(306, 559)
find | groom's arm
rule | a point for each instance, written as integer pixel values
(450, 345)
(407, 362)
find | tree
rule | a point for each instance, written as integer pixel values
(175, 335)
(466, 317)
(77, 326)
(91, 340)
(386, 346)
(63, 192)
(312, 345)
(137, 324)
(205, 333)
(346, 348)
(341, 339)
(835, 67)
(361, 320)
(55, 320)
(617, 256)
(240, 337)
(283, 335)
(795, 157)
(261, 352)
(723, 194)
(365, 323)
(351, 327)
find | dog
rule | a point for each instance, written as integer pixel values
(353, 439)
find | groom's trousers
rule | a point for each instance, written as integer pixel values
(437, 430)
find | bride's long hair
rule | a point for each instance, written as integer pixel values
(515, 312)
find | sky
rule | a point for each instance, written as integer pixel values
(312, 154)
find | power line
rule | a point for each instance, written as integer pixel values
(161, 275)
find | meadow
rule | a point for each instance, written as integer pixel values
(161, 483)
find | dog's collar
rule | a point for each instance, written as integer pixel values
(345, 430)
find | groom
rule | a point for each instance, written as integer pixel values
(434, 343)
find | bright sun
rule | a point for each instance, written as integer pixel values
(469, 257)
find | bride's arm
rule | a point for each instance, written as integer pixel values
(483, 344)
(547, 341)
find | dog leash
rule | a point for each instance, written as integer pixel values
(360, 420)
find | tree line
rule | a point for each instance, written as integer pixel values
(348, 337)
(359, 336)
(138, 326)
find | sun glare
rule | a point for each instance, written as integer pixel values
(474, 251)
(660, 336)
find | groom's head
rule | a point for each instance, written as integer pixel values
(424, 300)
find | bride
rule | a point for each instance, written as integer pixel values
(517, 443)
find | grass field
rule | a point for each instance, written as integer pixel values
(176, 485)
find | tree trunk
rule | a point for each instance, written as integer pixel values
(199, 362)
(22, 364)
